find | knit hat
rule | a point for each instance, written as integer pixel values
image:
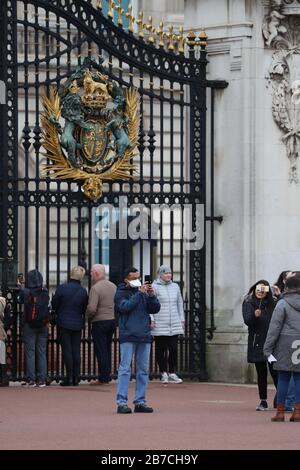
(163, 270)
(77, 273)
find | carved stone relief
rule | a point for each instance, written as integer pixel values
(281, 31)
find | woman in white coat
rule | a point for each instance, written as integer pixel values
(168, 324)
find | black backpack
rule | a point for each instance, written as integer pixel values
(36, 307)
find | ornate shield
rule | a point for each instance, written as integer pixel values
(98, 140)
(94, 142)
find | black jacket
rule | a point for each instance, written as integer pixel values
(69, 303)
(257, 328)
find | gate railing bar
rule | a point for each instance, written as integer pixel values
(214, 84)
(171, 172)
(141, 139)
(211, 328)
(152, 147)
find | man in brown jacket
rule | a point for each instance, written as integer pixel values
(100, 310)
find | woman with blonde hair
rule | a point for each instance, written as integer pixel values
(69, 303)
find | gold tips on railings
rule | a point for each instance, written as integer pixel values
(150, 30)
(110, 12)
(120, 12)
(202, 39)
(173, 41)
(161, 34)
(130, 18)
(180, 40)
(170, 35)
(141, 25)
(191, 37)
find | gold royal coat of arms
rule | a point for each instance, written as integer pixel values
(99, 137)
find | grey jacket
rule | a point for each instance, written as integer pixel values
(283, 338)
(168, 321)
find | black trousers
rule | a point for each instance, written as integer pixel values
(262, 378)
(102, 332)
(166, 353)
(70, 345)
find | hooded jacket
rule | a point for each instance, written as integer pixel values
(33, 285)
(134, 309)
(168, 321)
(34, 280)
(283, 338)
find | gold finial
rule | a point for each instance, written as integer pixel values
(110, 12)
(140, 24)
(160, 33)
(202, 38)
(120, 12)
(99, 5)
(191, 38)
(150, 30)
(130, 18)
(180, 40)
(170, 36)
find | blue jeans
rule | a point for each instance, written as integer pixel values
(290, 398)
(35, 345)
(283, 384)
(142, 356)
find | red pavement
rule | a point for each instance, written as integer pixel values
(187, 416)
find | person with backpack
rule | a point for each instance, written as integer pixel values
(35, 319)
(69, 303)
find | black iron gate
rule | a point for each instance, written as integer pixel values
(50, 224)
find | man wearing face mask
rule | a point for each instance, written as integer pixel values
(134, 302)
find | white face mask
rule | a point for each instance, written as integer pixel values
(135, 283)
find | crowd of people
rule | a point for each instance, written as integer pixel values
(148, 310)
(141, 311)
(272, 314)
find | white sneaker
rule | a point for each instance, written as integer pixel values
(41, 384)
(164, 378)
(173, 378)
